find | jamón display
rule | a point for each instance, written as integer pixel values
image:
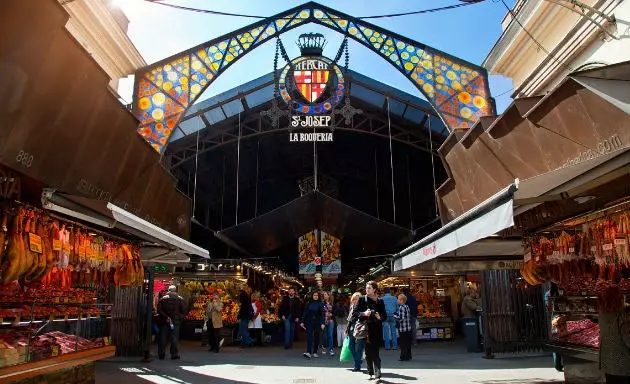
(583, 259)
(54, 284)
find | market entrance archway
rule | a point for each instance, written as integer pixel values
(457, 90)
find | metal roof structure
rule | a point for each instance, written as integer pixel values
(259, 91)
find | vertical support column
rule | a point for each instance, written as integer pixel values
(149, 315)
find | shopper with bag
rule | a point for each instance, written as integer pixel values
(215, 323)
(371, 313)
(172, 310)
(355, 345)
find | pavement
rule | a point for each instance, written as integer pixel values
(443, 362)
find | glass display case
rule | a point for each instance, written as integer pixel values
(43, 326)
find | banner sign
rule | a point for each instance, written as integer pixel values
(330, 253)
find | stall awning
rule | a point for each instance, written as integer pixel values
(168, 247)
(572, 180)
(486, 219)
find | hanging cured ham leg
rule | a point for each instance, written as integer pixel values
(12, 262)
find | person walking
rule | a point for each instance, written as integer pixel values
(215, 323)
(329, 325)
(356, 345)
(313, 323)
(403, 318)
(389, 325)
(245, 315)
(172, 310)
(290, 311)
(341, 318)
(371, 311)
(412, 303)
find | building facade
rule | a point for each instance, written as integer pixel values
(545, 40)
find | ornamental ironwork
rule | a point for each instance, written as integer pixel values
(457, 89)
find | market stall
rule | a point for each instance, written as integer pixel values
(59, 283)
(582, 257)
(437, 297)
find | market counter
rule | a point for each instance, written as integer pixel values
(71, 368)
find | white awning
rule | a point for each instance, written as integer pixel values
(489, 217)
(168, 247)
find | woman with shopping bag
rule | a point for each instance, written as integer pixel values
(355, 346)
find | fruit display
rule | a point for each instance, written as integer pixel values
(202, 292)
(37, 248)
(586, 258)
(270, 318)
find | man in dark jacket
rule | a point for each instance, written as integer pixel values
(172, 310)
(289, 312)
(412, 303)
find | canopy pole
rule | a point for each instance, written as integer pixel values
(315, 162)
(222, 190)
(238, 163)
(378, 210)
(435, 200)
(409, 192)
(257, 157)
(194, 207)
(391, 160)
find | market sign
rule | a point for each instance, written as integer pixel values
(312, 86)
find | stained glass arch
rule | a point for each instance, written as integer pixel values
(163, 91)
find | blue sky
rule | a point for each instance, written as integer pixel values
(467, 32)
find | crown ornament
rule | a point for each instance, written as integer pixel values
(311, 44)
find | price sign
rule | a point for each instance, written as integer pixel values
(51, 317)
(35, 243)
(55, 350)
(56, 245)
(65, 317)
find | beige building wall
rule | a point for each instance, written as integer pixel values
(565, 41)
(101, 28)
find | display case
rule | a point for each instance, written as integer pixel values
(574, 326)
(33, 330)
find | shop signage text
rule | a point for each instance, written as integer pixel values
(310, 137)
(603, 147)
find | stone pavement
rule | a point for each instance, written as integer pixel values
(442, 362)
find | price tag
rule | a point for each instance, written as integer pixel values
(607, 247)
(88, 316)
(1, 320)
(65, 317)
(571, 250)
(55, 350)
(620, 241)
(35, 243)
(56, 245)
(17, 319)
(65, 300)
(51, 318)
